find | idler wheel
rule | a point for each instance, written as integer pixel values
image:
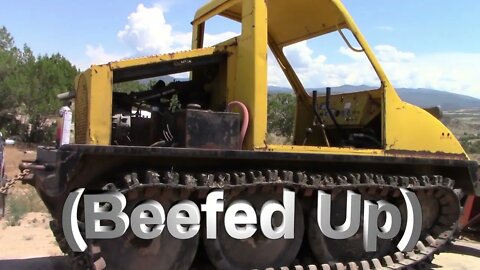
(256, 252)
(331, 251)
(162, 252)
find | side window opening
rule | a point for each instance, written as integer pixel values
(348, 105)
(281, 105)
(224, 30)
(328, 61)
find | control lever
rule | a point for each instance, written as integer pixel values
(317, 114)
(308, 132)
(327, 106)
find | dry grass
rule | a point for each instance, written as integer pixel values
(475, 157)
(463, 122)
(279, 140)
(21, 203)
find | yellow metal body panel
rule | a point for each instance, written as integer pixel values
(96, 86)
(325, 150)
(251, 74)
(357, 108)
(81, 111)
(134, 62)
(288, 21)
(405, 129)
(409, 128)
(293, 21)
(250, 64)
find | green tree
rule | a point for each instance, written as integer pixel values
(6, 40)
(9, 57)
(49, 76)
(281, 113)
(28, 88)
(131, 86)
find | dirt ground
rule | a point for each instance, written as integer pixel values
(31, 237)
(30, 245)
(13, 156)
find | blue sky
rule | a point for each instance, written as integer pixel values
(431, 44)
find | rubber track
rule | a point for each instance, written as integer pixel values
(198, 185)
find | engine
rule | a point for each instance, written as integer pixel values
(177, 114)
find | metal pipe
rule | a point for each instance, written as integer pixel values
(472, 221)
(245, 121)
(32, 167)
(66, 95)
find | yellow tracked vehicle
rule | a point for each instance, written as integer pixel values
(368, 141)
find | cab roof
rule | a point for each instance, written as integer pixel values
(289, 21)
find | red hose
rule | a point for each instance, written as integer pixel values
(246, 119)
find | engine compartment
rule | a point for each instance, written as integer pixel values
(177, 114)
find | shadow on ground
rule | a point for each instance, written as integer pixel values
(455, 253)
(464, 250)
(43, 263)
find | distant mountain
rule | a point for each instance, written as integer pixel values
(419, 97)
(446, 100)
(167, 79)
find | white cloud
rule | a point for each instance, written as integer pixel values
(387, 53)
(385, 28)
(315, 70)
(148, 32)
(212, 39)
(98, 55)
(456, 72)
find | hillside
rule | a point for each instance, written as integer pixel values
(447, 100)
(420, 97)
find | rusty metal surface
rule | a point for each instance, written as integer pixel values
(77, 165)
(462, 170)
(165, 67)
(208, 129)
(81, 111)
(195, 185)
(45, 263)
(425, 154)
(138, 151)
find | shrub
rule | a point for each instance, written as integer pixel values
(22, 203)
